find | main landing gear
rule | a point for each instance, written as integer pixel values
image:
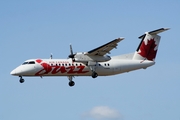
(92, 66)
(21, 79)
(71, 82)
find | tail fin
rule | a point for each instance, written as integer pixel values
(148, 46)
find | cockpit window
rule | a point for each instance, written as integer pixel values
(25, 63)
(31, 62)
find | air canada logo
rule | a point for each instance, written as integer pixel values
(47, 69)
(148, 50)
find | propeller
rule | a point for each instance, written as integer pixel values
(71, 51)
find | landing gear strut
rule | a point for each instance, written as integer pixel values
(21, 79)
(71, 82)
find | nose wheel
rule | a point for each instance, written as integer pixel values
(21, 79)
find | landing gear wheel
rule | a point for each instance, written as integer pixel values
(94, 75)
(21, 80)
(71, 83)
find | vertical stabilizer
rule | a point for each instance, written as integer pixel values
(148, 46)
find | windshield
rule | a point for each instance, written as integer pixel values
(30, 62)
(25, 63)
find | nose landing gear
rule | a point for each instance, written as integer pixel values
(21, 79)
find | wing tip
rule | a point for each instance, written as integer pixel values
(121, 38)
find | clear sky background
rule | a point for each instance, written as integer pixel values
(36, 28)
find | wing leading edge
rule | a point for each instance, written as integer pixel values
(106, 48)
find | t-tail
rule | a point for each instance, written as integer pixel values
(148, 46)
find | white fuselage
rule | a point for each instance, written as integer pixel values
(66, 67)
(95, 62)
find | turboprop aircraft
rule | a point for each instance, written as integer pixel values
(95, 62)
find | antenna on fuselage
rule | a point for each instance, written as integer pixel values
(51, 56)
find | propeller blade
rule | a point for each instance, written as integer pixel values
(71, 50)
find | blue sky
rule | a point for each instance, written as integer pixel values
(34, 29)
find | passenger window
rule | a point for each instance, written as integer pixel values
(105, 64)
(31, 62)
(108, 64)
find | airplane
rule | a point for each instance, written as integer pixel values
(95, 62)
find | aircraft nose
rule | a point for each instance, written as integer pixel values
(13, 72)
(16, 71)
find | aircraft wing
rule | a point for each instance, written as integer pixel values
(106, 48)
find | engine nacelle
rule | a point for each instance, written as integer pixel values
(81, 57)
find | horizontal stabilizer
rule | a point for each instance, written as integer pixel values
(154, 32)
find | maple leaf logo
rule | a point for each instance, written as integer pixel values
(147, 49)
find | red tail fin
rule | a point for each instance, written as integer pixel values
(148, 47)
